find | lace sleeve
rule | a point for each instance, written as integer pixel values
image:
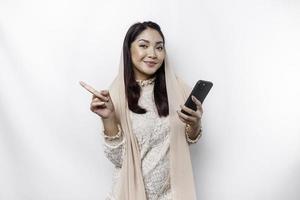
(114, 147)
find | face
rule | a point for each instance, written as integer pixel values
(147, 54)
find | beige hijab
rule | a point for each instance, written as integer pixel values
(130, 186)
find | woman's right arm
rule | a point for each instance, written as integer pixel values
(112, 133)
(114, 141)
(103, 106)
(114, 146)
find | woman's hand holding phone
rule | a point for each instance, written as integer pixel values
(191, 112)
(194, 117)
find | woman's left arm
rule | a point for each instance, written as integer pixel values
(193, 122)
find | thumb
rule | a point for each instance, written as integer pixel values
(105, 93)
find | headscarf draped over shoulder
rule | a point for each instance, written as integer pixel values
(130, 186)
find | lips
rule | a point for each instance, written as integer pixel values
(150, 63)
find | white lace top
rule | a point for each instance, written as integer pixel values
(153, 136)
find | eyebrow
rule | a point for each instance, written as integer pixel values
(149, 42)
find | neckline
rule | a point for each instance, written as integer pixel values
(144, 83)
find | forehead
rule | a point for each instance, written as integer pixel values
(150, 34)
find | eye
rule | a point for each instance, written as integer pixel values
(160, 48)
(143, 46)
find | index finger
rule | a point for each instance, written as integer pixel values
(197, 102)
(89, 88)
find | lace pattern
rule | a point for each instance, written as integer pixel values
(152, 133)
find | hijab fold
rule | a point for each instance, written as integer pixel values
(130, 185)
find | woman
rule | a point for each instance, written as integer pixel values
(146, 137)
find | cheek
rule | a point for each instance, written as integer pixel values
(161, 57)
(137, 54)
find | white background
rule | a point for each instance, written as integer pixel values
(50, 142)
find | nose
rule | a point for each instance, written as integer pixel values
(151, 53)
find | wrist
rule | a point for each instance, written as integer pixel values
(110, 125)
(193, 131)
(196, 127)
(110, 118)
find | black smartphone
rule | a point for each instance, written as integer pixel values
(200, 91)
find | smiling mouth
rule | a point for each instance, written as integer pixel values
(150, 64)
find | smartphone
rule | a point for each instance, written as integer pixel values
(200, 91)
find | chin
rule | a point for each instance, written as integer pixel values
(150, 73)
(148, 70)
